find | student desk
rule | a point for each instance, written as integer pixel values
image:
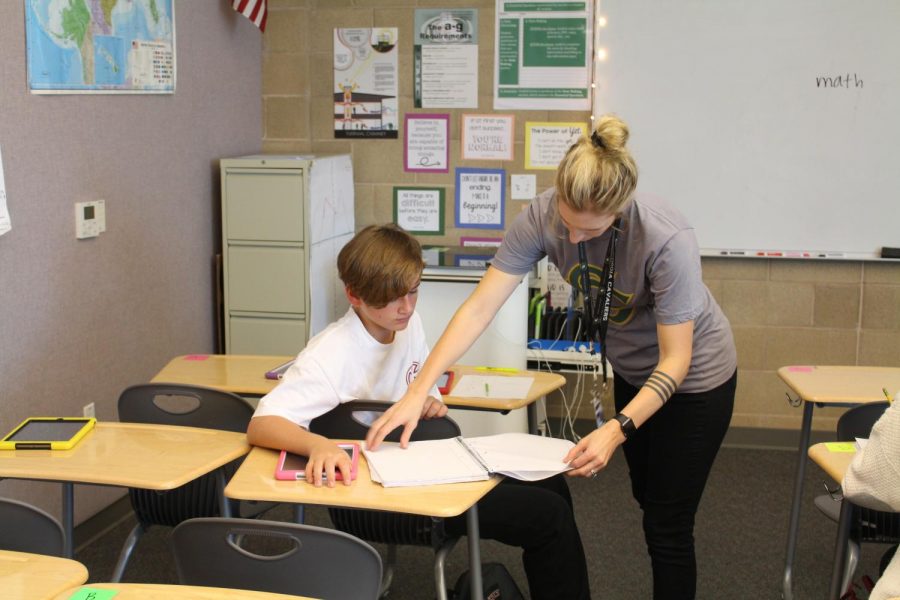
(826, 386)
(154, 591)
(245, 375)
(24, 575)
(153, 457)
(255, 480)
(835, 464)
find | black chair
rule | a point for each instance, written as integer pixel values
(191, 406)
(866, 524)
(26, 528)
(267, 556)
(345, 422)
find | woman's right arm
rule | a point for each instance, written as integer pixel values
(470, 320)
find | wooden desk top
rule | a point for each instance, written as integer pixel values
(835, 464)
(840, 385)
(24, 575)
(255, 480)
(245, 374)
(154, 591)
(236, 373)
(155, 457)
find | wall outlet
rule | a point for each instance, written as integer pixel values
(88, 410)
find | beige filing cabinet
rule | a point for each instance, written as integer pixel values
(284, 220)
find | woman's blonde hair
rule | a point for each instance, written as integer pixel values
(380, 264)
(598, 172)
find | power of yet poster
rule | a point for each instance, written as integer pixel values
(445, 58)
(547, 143)
(542, 58)
(365, 83)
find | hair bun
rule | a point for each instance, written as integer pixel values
(610, 133)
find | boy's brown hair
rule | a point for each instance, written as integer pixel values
(380, 264)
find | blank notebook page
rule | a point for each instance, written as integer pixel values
(425, 462)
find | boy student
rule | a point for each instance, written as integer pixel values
(373, 352)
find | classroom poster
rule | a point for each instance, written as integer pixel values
(547, 143)
(419, 210)
(5, 224)
(542, 58)
(523, 186)
(426, 147)
(487, 137)
(365, 83)
(445, 58)
(479, 198)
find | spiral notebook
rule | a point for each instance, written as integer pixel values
(454, 460)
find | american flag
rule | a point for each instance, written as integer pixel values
(255, 10)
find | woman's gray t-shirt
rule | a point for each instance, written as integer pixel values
(657, 280)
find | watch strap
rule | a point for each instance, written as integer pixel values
(626, 424)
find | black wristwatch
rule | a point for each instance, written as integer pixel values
(626, 424)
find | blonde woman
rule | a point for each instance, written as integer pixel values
(669, 343)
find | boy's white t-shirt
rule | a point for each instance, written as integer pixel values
(343, 363)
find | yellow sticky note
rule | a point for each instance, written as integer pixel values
(841, 446)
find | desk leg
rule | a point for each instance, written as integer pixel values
(531, 411)
(224, 504)
(840, 550)
(474, 552)
(787, 592)
(68, 518)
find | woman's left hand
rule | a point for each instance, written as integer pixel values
(594, 451)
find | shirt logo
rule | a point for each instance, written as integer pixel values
(622, 314)
(412, 372)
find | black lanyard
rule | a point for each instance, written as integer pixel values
(596, 312)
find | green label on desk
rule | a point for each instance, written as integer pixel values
(89, 593)
(841, 446)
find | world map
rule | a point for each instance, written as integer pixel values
(105, 46)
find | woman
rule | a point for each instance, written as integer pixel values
(669, 344)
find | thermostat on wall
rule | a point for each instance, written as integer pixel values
(90, 219)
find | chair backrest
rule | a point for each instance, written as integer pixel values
(191, 406)
(285, 558)
(857, 422)
(340, 423)
(26, 528)
(182, 404)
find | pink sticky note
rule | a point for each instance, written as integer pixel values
(196, 357)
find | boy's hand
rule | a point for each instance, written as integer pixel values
(325, 459)
(404, 412)
(433, 408)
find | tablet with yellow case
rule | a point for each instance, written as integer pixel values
(47, 433)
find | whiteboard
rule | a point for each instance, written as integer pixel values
(773, 125)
